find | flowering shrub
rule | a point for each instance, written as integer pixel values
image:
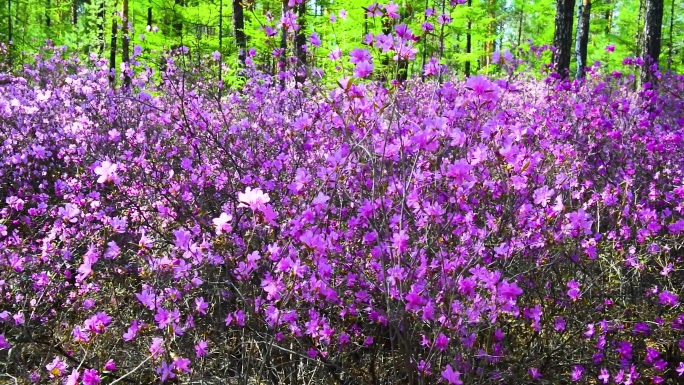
(470, 232)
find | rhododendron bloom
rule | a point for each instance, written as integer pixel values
(56, 368)
(69, 213)
(91, 377)
(254, 199)
(106, 172)
(222, 223)
(156, 348)
(72, 379)
(3, 342)
(453, 377)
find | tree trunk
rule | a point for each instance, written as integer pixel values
(300, 42)
(48, 22)
(562, 37)
(638, 47)
(125, 39)
(112, 53)
(609, 17)
(149, 16)
(582, 38)
(469, 41)
(177, 20)
(74, 12)
(282, 62)
(653, 24)
(670, 43)
(239, 30)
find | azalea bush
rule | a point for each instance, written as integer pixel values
(474, 231)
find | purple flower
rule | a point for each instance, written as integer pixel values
(3, 342)
(577, 372)
(667, 298)
(201, 348)
(452, 376)
(543, 195)
(91, 377)
(363, 69)
(680, 369)
(166, 371)
(573, 292)
(534, 373)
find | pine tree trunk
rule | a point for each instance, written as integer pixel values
(562, 37)
(125, 40)
(239, 30)
(582, 38)
(653, 24)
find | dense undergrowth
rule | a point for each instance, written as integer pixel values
(482, 231)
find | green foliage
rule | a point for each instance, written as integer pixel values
(494, 25)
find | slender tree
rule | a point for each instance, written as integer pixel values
(125, 41)
(608, 16)
(112, 53)
(562, 38)
(469, 42)
(670, 43)
(653, 24)
(300, 42)
(239, 29)
(48, 22)
(9, 31)
(582, 38)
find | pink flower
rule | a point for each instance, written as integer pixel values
(222, 223)
(73, 378)
(56, 368)
(110, 366)
(201, 305)
(156, 348)
(254, 199)
(91, 377)
(106, 171)
(363, 69)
